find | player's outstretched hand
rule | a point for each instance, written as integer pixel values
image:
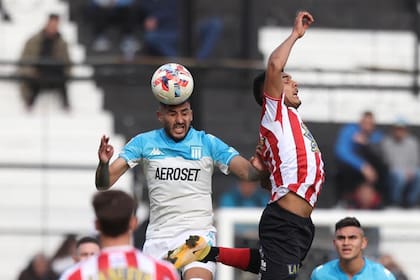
(106, 151)
(302, 22)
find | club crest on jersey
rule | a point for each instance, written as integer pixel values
(196, 152)
(308, 134)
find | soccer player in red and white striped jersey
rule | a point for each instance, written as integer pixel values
(118, 259)
(296, 175)
(294, 163)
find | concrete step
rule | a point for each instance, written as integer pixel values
(84, 98)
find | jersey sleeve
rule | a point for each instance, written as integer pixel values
(388, 274)
(315, 274)
(222, 153)
(132, 152)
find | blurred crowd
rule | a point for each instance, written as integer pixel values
(125, 27)
(376, 168)
(149, 27)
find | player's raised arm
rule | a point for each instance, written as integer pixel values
(106, 175)
(277, 61)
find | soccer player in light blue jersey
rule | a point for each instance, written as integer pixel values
(349, 242)
(178, 162)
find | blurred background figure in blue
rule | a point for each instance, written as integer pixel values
(106, 14)
(245, 194)
(360, 166)
(163, 32)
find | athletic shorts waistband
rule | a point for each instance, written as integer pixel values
(292, 217)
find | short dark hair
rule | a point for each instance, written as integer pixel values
(113, 210)
(258, 88)
(87, 239)
(367, 114)
(163, 105)
(347, 222)
(54, 16)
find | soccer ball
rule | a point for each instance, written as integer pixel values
(172, 84)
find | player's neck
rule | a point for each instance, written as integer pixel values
(122, 240)
(352, 267)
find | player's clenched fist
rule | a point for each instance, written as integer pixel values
(302, 22)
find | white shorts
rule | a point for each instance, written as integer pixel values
(159, 247)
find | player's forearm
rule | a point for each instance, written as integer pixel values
(278, 58)
(102, 180)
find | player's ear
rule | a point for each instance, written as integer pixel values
(364, 242)
(133, 223)
(159, 116)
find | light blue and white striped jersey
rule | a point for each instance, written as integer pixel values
(179, 178)
(371, 271)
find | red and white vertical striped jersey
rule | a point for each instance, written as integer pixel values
(121, 263)
(290, 152)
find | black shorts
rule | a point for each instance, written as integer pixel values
(285, 240)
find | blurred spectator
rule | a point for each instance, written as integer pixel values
(245, 194)
(402, 154)
(3, 12)
(105, 14)
(86, 247)
(360, 167)
(389, 262)
(39, 268)
(365, 196)
(63, 256)
(162, 30)
(45, 60)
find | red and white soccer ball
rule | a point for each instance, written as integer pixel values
(172, 84)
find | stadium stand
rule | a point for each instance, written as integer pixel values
(48, 156)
